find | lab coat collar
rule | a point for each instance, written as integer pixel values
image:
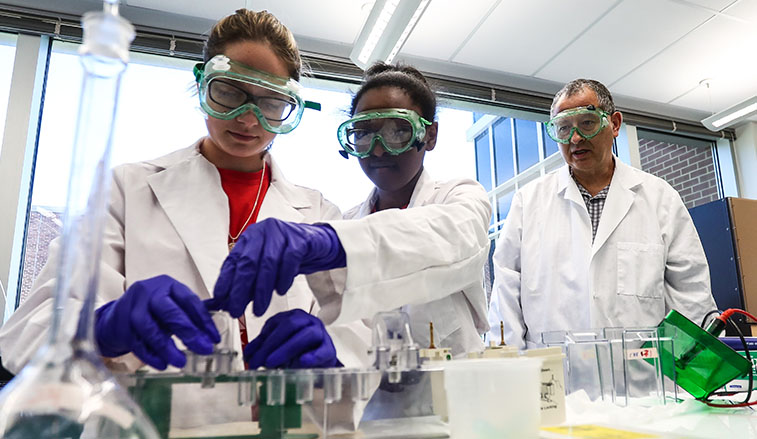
(283, 200)
(366, 207)
(619, 200)
(424, 189)
(292, 194)
(566, 186)
(290, 191)
(189, 191)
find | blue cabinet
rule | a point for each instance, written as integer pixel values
(726, 229)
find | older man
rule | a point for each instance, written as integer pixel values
(596, 243)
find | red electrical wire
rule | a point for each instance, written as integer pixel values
(724, 317)
(730, 406)
(729, 312)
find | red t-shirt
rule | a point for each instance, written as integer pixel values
(242, 190)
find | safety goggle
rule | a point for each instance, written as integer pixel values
(229, 89)
(587, 121)
(397, 129)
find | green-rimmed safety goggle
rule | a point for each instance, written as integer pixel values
(587, 121)
(229, 89)
(397, 129)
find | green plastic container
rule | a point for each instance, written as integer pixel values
(702, 363)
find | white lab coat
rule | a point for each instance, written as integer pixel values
(460, 316)
(646, 259)
(408, 257)
(170, 216)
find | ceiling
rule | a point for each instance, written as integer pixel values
(652, 54)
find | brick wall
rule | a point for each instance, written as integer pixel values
(690, 170)
(43, 227)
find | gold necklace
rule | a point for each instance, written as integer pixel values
(254, 206)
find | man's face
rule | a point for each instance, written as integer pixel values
(589, 157)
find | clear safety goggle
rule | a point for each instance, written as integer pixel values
(587, 121)
(397, 129)
(229, 89)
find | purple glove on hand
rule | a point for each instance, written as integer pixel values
(144, 318)
(293, 339)
(268, 256)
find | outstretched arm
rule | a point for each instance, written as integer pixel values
(400, 257)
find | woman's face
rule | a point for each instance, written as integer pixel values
(388, 172)
(239, 143)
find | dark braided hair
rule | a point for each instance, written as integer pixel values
(407, 78)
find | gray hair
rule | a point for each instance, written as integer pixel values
(575, 86)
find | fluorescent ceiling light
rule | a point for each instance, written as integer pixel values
(388, 26)
(731, 116)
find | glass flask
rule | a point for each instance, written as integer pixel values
(65, 391)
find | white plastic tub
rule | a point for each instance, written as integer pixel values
(489, 398)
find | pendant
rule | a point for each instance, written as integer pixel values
(231, 246)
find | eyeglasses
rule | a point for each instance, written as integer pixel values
(588, 122)
(397, 129)
(229, 89)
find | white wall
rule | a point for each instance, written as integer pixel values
(745, 148)
(16, 158)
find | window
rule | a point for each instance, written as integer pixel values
(527, 143)
(503, 205)
(550, 146)
(157, 113)
(522, 152)
(483, 161)
(453, 157)
(503, 153)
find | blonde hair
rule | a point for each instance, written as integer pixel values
(262, 26)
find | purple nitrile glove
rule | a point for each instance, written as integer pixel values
(144, 318)
(268, 256)
(292, 339)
